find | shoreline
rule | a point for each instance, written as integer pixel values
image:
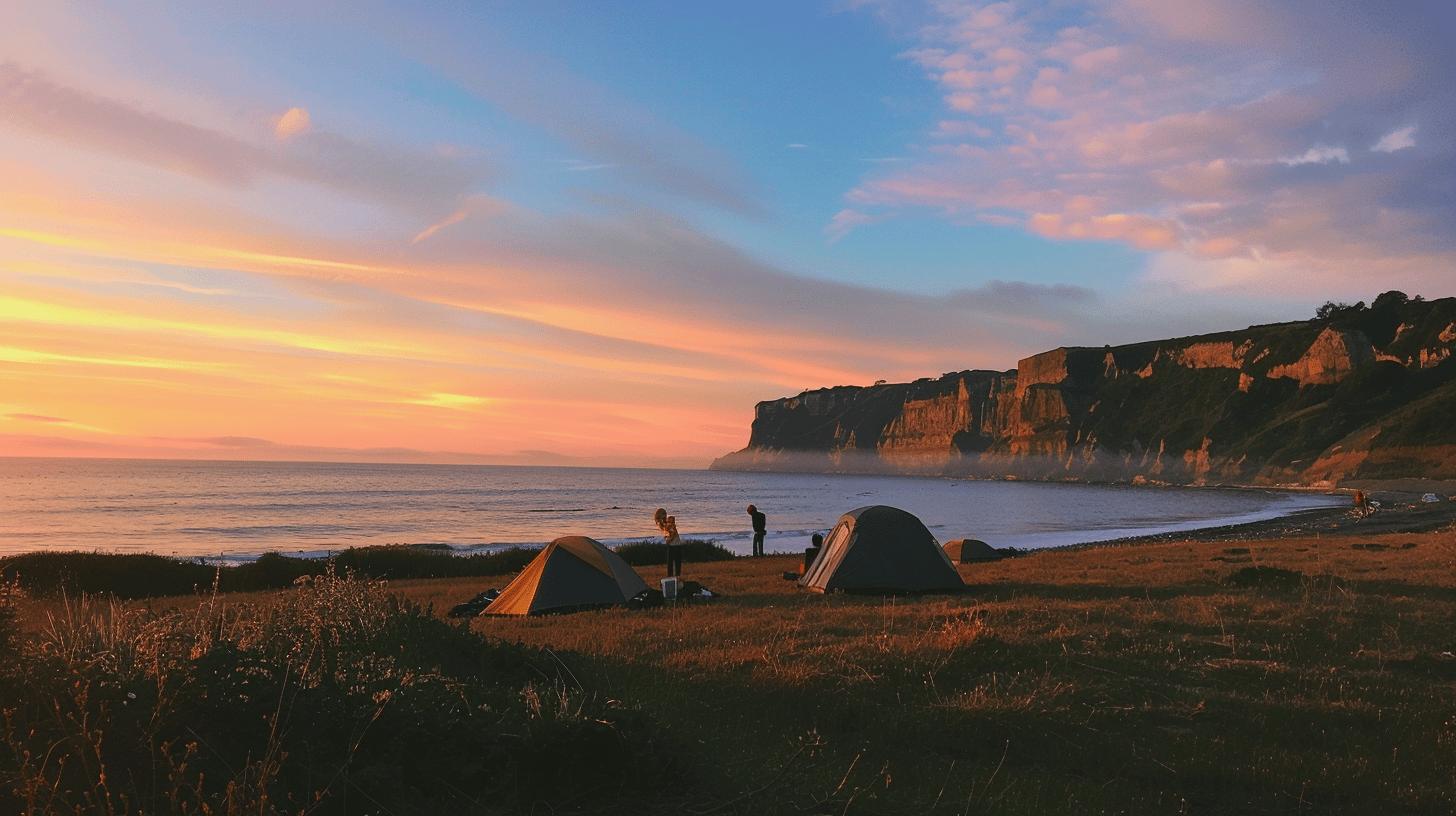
(1399, 513)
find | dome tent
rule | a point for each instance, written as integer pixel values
(881, 549)
(574, 572)
(971, 551)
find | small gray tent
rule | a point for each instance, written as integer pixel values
(971, 551)
(881, 549)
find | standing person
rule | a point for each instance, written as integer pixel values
(760, 528)
(668, 525)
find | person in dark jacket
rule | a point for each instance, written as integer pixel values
(760, 528)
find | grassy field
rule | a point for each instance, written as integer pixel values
(1289, 676)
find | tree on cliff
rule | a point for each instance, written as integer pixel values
(1332, 309)
(1394, 299)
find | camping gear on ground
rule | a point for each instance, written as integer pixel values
(472, 607)
(1430, 498)
(669, 589)
(971, 551)
(881, 549)
(646, 599)
(571, 573)
(686, 591)
(694, 591)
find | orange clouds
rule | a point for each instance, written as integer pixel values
(1141, 231)
(293, 122)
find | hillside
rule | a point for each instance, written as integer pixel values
(1358, 393)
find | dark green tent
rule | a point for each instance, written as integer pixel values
(971, 550)
(881, 549)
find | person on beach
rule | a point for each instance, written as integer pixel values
(1362, 504)
(760, 529)
(668, 525)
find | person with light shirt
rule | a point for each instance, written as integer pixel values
(668, 525)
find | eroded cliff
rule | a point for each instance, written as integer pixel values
(1364, 393)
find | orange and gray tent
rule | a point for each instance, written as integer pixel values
(574, 572)
(881, 549)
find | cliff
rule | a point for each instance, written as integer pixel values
(1362, 393)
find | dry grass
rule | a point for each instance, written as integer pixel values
(1138, 679)
(335, 697)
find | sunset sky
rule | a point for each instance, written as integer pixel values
(598, 233)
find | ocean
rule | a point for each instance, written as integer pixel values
(234, 511)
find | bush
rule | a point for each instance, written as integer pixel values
(10, 595)
(338, 698)
(125, 576)
(651, 552)
(150, 576)
(52, 574)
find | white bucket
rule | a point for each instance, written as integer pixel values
(669, 589)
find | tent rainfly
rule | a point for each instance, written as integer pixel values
(574, 572)
(881, 549)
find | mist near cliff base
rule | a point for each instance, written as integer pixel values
(1103, 468)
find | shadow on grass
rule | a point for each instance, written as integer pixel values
(1088, 592)
(1017, 728)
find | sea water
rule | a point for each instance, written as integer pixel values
(237, 510)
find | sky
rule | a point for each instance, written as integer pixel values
(598, 233)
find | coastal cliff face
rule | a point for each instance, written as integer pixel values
(1365, 393)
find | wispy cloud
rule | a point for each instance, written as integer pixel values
(846, 221)
(38, 418)
(1319, 154)
(474, 206)
(579, 166)
(596, 122)
(1399, 139)
(35, 103)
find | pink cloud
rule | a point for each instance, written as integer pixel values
(1222, 129)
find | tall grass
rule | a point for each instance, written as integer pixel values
(339, 697)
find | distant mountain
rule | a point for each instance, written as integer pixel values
(1357, 393)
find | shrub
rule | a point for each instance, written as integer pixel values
(125, 576)
(150, 576)
(650, 552)
(10, 595)
(339, 697)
